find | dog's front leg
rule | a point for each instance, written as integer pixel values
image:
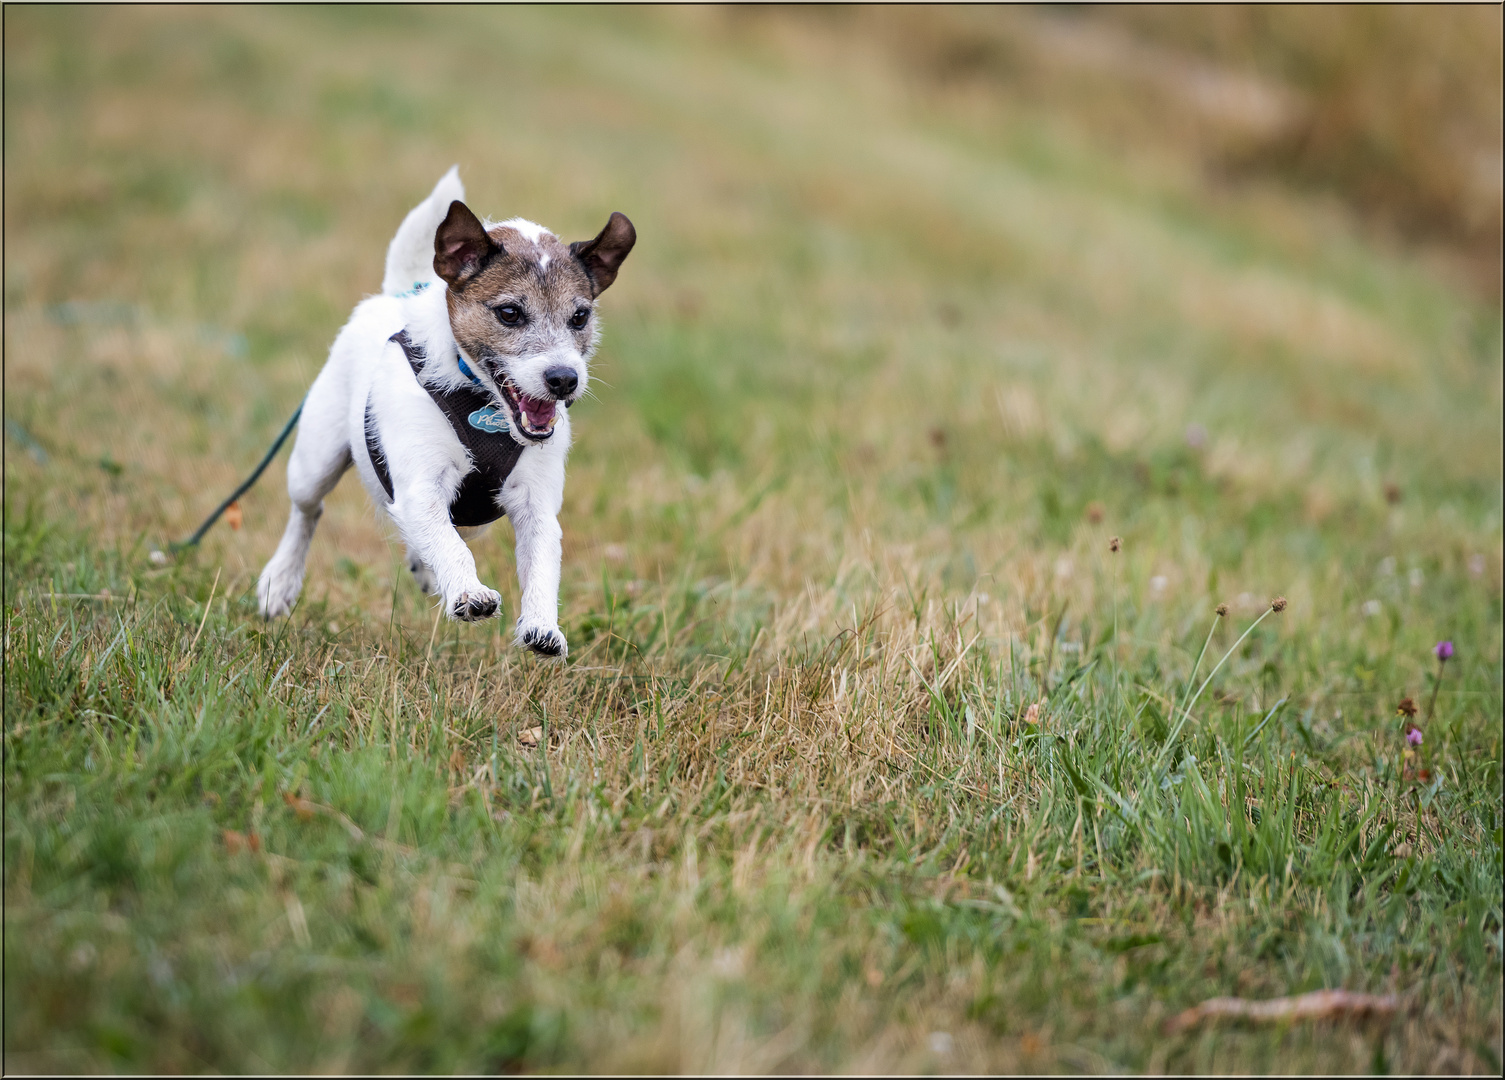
(421, 511)
(539, 551)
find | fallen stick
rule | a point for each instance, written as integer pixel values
(306, 809)
(1317, 1005)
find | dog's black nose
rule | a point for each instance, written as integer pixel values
(561, 380)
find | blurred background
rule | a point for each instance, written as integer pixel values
(971, 280)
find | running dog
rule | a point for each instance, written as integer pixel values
(444, 392)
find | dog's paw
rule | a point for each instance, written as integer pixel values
(544, 640)
(424, 577)
(277, 590)
(475, 604)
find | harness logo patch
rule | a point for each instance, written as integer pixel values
(489, 419)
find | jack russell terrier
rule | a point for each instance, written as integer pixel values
(444, 392)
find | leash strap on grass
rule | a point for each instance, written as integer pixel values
(198, 535)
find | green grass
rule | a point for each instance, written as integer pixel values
(889, 366)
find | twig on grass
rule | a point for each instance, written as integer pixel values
(306, 809)
(1317, 1005)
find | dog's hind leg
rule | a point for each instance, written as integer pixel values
(320, 457)
(423, 575)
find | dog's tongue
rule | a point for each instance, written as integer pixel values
(537, 411)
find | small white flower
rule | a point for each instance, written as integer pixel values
(158, 558)
(941, 1043)
(1416, 577)
(1476, 565)
(730, 963)
(82, 957)
(1158, 584)
(1063, 568)
(1387, 566)
(1371, 608)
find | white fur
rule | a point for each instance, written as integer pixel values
(410, 256)
(425, 460)
(531, 230)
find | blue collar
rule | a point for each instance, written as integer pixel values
(465, 370)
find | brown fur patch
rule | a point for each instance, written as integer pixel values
(521, 303)
(548, 292)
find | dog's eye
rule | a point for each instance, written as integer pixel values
(509, 314)
(580, 318)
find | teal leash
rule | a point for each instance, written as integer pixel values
(198, 535)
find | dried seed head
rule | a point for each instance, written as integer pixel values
(1407, 707)
(1114, 544)
(1278, 604)
(1222, 610)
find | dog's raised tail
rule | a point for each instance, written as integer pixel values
(410, 256)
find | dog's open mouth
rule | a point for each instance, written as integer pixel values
(535, 416)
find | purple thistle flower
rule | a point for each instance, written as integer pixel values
(1444, 650)
(1413, 736)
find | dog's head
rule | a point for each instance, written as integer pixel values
(522, 305)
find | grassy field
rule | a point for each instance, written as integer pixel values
(869, 754)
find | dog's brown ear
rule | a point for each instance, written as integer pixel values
(461, 246)
(602, 256)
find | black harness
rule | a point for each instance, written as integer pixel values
(481, 428)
